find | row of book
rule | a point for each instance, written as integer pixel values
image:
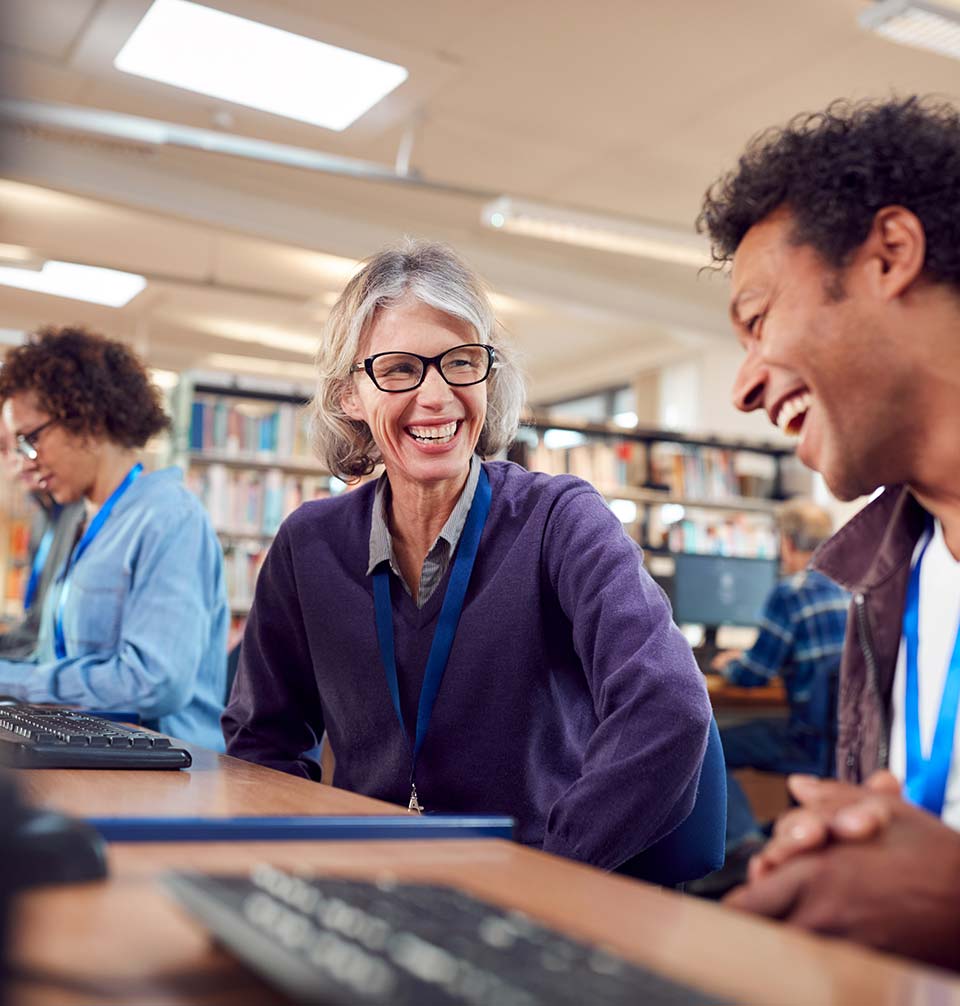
(238, 427)
(241, 567)
(711, 473)
(249, 501)
(752, 536)
(687, 471)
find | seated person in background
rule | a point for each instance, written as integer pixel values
(136, 617)
(473, 636)
(51, 539)
(800, 640)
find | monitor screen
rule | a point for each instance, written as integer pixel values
(721, 590)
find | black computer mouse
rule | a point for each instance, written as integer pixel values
(51, 848)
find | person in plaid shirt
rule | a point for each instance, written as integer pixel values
(800, 640)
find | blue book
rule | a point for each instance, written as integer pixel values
(196, 426)
(299, 829)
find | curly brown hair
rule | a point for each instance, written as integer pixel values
(90, 384)
(835, 169)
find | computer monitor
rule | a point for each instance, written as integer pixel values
(715, 590)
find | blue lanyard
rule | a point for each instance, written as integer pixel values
(446, 626)
(60, 643)
(36, 570)
(926, 782)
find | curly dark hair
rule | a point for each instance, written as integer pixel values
(90, 384)
(833, 170)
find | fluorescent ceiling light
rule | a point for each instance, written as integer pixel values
(78, 282)
(259, 367)
(17, 255)
(225, 56)
(559, 439)
(918, 24)
(588, 230)
(166, 380)
(270, 336)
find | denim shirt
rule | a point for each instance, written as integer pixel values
(145, 621)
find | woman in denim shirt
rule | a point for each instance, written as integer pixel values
(136, 617)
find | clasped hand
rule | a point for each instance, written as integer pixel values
(862, 863)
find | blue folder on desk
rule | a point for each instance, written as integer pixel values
(302, 829)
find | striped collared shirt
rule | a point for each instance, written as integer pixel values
(438, 558)
(801, 629)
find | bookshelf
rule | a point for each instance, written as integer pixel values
(674, 493)
(244, 449)
(15, 526)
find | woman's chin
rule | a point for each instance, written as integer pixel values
(430, 465)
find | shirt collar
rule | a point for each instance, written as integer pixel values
(381, 544)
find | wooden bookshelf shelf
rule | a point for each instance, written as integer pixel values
(233, 535)
(733, 504)
(535, 421)
(257, 462)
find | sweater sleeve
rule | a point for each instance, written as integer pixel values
(642, 764)
(274, 716)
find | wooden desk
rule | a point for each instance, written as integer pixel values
(126, 941)
(214, 786)
(726, 696)
(123, 940)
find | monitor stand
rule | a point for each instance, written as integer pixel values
(707, 650)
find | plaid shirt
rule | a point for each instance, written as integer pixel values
(801, 630)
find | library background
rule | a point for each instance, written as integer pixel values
(243, 444)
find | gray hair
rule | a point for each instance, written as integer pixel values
(435, 275)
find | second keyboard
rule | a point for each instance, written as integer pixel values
(33, 736)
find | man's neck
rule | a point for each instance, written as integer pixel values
(934, 469)
(946, 508)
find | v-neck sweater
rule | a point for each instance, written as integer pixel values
(570, 699)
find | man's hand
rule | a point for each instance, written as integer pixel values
(828, 810)
(870, 867)
(723, 658)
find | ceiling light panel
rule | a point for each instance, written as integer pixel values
(224, 56)
(587, 230)
(920, 25)
(78, 282)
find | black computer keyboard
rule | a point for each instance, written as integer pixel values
(333, 941)
(53, 737)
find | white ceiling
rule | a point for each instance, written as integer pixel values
(627, 107)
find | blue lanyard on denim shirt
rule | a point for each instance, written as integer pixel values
(926, 782)
(446, 626)
(60, 643)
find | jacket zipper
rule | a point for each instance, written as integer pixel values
(873, 674)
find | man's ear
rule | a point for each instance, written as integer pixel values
(350, 402)
(894, 251)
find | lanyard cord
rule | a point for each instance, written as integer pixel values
(59, 640)
(446, 626)
(36, 569)
(926, 782)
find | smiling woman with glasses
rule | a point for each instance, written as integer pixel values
(471, 636)
(81, 407)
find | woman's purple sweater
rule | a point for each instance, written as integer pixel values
(570, 700)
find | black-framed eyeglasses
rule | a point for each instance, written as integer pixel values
(460, 367)
(26, 445)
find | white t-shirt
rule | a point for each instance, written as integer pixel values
(939, 619)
